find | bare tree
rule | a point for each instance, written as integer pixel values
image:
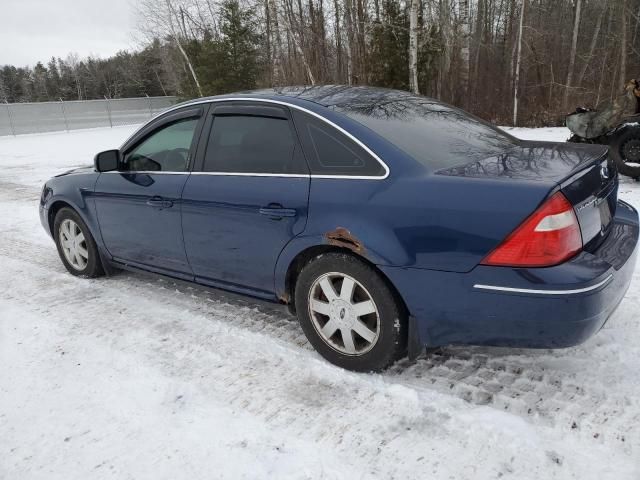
(623, 44)
(73, 61)
(463, 6)
(171, 19)
(541, 54)
(295, 29)
(516, 82)
(413, 47)
(594, 42)
(348, 20)
(338, 39)
(176, 38)
(572, 54)
(445, 20)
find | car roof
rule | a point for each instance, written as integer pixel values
(343, 97)
(374, 117)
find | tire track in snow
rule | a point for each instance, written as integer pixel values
(524, 383)
(16, 191)
(289, 388)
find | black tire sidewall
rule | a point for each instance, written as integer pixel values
(391, 344)
(94, 267)
(616, 152)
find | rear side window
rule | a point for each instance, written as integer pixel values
(330, 152)
(435, 134)
(252, 144)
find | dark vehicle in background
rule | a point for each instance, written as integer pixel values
(616, 124)
(385, 221)
(624, 142)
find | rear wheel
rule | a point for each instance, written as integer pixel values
(630, 150)
(625, 151)
(76, 246)
(349, 313)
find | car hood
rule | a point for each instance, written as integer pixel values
(532, 161)
(78, 170)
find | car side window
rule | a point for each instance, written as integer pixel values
(252, 144)
(165, 150)
(330, 152)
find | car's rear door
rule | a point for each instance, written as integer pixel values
(247, 197)
(138, 206)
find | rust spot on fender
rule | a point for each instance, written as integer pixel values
(341, 237)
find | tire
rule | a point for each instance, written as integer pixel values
(76, 246)
(375, 348)
(628, 139)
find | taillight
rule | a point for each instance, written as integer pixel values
(548, 237)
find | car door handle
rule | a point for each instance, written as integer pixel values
(159, 202)
(277, 211)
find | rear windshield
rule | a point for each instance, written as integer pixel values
(437, 135)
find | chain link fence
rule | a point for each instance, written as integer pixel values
(19, 118)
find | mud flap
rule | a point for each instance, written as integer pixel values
(107, 266)
(415, 347)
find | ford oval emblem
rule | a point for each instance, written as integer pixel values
(604, 172)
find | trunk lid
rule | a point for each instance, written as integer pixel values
(584, 173)
(587, 178)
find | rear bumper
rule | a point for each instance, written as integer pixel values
(552, 307)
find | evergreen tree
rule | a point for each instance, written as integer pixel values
(240, 46)
(53, 79)
(388, 52)
(39, 78)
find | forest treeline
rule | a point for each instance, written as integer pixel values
(523, 61)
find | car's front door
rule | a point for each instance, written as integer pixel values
(138, 206)
(247, 197)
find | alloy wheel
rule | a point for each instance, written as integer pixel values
(344, 314)
(74, 245)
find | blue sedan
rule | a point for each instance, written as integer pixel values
(386, 221)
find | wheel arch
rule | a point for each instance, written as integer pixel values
(80, 206)
(53, 210)
(305, 256)
(56, 205)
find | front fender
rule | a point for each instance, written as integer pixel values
(76, 191)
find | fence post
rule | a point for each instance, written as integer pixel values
(150, 106)
(109, 111)
(64, 115)
(13, 130)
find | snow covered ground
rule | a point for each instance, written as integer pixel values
(139, 377)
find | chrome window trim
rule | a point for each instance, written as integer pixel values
(221, 174)
(544, 292)
(248, 174)
(147, 172)
(238, 174)
(286, 104)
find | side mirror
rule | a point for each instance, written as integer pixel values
(107, 161)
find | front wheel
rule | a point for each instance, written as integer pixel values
(349, 314)
(76, 246)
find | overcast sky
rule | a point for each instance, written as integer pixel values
(33, 30)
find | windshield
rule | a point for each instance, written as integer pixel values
(437, 135)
